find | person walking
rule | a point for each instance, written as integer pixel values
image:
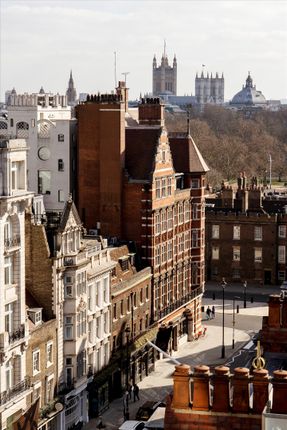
(208, 311)
(213, 311)
(136, 392)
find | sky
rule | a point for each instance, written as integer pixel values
(42, 40)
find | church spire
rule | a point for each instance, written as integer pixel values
(71, 91)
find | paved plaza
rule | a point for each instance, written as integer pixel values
(206, 350)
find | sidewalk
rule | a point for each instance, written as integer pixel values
(206, 350)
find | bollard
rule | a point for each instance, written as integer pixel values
(251, 300)
(237, 309)
(213, 296)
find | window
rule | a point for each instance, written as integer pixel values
(195, 239)
(8, 270)
(186, 212)
(36, 362)
(235, 274)
(68, 328)
(215, 253)
(106, 290)
(157, 255)
(44, 182)
(50, 389)
(9, 309)
(163, 221)
(9, 375)
(115, 311)
(236, 253)
(122, 307)
(258, 232)
(146, 292)
(258, 255)
(106, 323)
(281, 275)
(68, 291)
(60, 165)
(186, 241)
(124, 261)
(169, 186)
(282, 231)
(49, 353)
(157, 224)
(194, 183)
(11, 122)
(180, 213)
(157, 189)
(169, 250)
(141, 295)
(163, 253)
(169, 219)
(215, 231)
(36, 391)
(163, 188)
(61, 138)
(281, 254)
(236, 232)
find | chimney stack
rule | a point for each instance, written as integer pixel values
(279, 404)
(241, 390)
(181, 387)
(274, 311)
(151, 112)
(221, 389)
(201, 388)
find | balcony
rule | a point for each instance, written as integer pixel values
(17, 389)
(17, 334)
(74, 260)
(180, 302)
(12, 242)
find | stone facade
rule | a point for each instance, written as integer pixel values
(15, 384)
(209, 89)
(164, 77)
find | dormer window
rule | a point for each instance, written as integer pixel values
(124, 262)
(35, 314)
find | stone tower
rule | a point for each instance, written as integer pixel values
(164, 77)
(209, 89)
(71, 91)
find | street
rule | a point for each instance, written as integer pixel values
(206, 350)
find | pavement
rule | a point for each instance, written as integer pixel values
(206, 350)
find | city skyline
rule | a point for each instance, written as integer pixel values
(41, 41)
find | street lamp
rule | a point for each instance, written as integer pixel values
(223, 285)
(126, 398)
(244, 290)
(233, 318)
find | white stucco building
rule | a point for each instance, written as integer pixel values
(45, 121)
(14, 201)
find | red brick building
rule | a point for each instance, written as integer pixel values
(244, 241)
(139, 184)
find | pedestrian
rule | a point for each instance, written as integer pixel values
(136, 392)
(129, 389)
(208, 311)
(213, 311)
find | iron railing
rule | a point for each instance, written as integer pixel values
(10, 242)
(17, 389)
(17, 334)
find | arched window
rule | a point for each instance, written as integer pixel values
(3, 129)
(22, 130)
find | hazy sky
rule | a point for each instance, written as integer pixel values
(42, 40)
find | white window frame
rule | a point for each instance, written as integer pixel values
(236, 232)
(282, 254)
(36, 362)
(236, 253)
(258, 233)
(258, 255)
(215, 253)
(215, 231)
(49, 354)
(282, 231)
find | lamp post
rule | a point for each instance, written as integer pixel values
(126, 398)
(233, 319)
(223, 285)
(244, 290)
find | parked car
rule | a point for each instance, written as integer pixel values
(132, 425)
(147, 409)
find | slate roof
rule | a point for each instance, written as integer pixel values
(186, 155)
(141, 146)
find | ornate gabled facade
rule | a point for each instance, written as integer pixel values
(15, 385)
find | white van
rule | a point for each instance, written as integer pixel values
(132, 425)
